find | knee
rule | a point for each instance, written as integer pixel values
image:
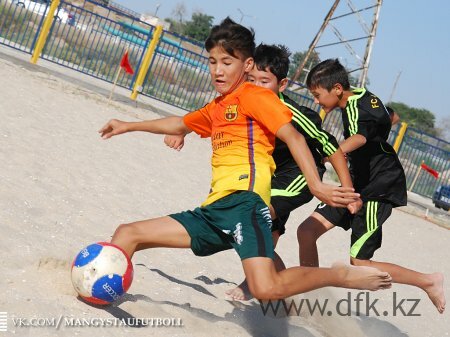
(125, 232)
(270, 289)
(267, 292)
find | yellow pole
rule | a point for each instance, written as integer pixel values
(401, 134)
(44, 31)
(322, 114)
(146, 62)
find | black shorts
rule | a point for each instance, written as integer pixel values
(289, 191)
(366, 225)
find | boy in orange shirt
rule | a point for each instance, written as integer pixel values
(242, 123)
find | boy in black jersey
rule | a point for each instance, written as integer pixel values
(377, 175)
(289, 190)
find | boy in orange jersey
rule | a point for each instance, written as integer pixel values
(242, 124)
(289, 190)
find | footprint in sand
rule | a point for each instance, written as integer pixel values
(53, 263)
(57, 271)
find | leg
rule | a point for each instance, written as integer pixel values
(307, 234)
(279, 264)
(266, 283)
(241, 292)
(366, 238)
(432, 284)
(159, 232)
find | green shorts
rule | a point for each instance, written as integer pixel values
(240, 220)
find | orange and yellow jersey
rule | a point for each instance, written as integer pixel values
(242, 126)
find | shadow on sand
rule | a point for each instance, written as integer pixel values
(251, 316)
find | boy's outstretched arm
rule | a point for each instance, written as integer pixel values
(332, 195)
(339, 163)
(169, 126)
(352, 143)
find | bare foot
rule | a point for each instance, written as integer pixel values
(240, 293)
(436, 291)
(362, 277)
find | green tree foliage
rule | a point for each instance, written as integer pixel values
(297, 59)
(421, 119)
(175, 26)
(199, 26)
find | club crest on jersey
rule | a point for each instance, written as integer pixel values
(231, 112)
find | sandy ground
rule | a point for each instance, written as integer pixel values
(63, 187)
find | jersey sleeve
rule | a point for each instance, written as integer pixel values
(199, 121)
(309, 124)
(265, 107)
(360, 122)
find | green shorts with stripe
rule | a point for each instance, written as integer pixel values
(366, 225)
(240, 220)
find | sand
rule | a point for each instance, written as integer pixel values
(63, 187)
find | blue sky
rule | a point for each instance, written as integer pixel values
(413, 37)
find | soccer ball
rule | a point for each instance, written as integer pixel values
(101, 273)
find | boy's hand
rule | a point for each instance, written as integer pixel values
(113, 128)
(174, 142)
(354, 207)
(335, 196)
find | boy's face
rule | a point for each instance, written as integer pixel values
(264, 78)
(227, 72)
(328, 100)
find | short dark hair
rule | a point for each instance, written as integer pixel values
(274, 57)
(232, 37)
(326, 74)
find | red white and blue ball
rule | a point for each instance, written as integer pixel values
(101, 273)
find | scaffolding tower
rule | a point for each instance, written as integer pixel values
(370, 32)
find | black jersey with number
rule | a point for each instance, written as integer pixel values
(309, 124)
(376, 170)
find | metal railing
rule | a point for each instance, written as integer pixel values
(88, 40)
(418, 147)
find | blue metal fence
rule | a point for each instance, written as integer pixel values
(301, 95)
(124, 9)
(20, 22)
(87, 38)
(92, 44)
(418, 146)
